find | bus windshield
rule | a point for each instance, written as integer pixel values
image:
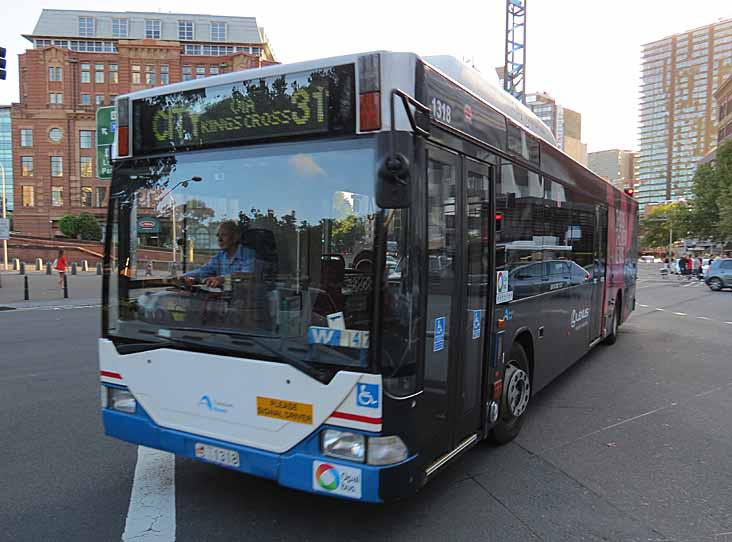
(265, 251)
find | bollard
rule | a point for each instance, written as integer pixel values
(21, 268)
(48, 268)
(73, 268)
(66, 287)
(85, 265)
(16, 264)
(39, 264)
(99, 268)
(26, 296)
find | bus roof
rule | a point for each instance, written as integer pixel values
(462, 74)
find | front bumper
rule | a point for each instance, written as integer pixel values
(294, 468)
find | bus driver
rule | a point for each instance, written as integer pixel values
(232, 258)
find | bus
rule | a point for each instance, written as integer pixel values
(342, 274)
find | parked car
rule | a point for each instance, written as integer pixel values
(646, 259)
(719, 274)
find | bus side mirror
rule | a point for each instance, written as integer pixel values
(392, 186)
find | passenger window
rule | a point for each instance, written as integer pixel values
(520, 242)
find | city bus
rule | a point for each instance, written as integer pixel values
(342, 274)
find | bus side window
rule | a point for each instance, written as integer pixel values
(520, 242)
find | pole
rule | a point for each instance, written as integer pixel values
(670, 239)
(5, 242)
(175, 240)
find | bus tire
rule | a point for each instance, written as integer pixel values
(515, 398)
(613, 335)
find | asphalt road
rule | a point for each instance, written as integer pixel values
(631, 444)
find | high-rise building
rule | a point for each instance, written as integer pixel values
(614, 165)
(723, 96)
(565, 124)
(6, 156)
(678, 117)
(82, 60)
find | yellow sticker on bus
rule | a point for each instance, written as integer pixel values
(290, 411)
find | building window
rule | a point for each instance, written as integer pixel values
(218, 31)
(164, 75)
(185, 30)
(149, 74)
(56, 98)
(256, 51)
(54, 73)
(57, 196)
(99, 99)
(85, 166)
(152, 29)
(213, 70)
(85, 139)
(86, 27)
(26, 166)
(28, 199)
(86, 73)
(57, 166)
(113, 73)
(55, 134)
(119, 28)
(99, 73)
(187, 73)
(86, 196)
(136, 74)
(200, 72)
(101, 195)
(26, 137)
(86, 99)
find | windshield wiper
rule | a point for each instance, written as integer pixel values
(199, 337)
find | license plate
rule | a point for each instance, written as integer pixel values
(222, 456)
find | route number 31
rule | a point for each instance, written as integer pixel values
(441, 110)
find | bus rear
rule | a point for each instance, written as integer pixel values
(247, 321)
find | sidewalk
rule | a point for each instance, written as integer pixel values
(84, 289)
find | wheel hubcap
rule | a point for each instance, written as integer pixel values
(518, 392)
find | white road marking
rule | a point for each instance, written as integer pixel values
(681, 314)
(151, 515)
(730, 323)
(660, 310)
(644, 306)
(54, 308)
(703, 318)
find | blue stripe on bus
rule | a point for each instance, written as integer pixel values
(293, 468)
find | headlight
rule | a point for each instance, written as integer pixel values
(343, 445)
(121, 400)
(386, 450)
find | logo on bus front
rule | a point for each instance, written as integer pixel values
(337, 479)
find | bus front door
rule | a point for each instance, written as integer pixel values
(457, 267)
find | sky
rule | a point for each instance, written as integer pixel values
(585, 53)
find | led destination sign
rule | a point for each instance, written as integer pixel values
(313, 102)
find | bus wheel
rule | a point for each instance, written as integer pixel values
(515, 399)
(613, 335)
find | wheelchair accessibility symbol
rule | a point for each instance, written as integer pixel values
(368, 395)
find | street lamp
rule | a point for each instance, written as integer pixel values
(184, 183)
(5, 242)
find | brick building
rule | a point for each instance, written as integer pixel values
(82, 60)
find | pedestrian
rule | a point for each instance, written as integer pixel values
(699, 265)
(689, 267)
(682, 266)
(61, 267)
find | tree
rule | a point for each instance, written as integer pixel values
(89, 228)
(69, 226)
(711, 217)
(661, 220)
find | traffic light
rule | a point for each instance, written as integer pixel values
(3, 52)
(630, 191)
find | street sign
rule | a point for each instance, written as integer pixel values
(106, 126)
(4, 229)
